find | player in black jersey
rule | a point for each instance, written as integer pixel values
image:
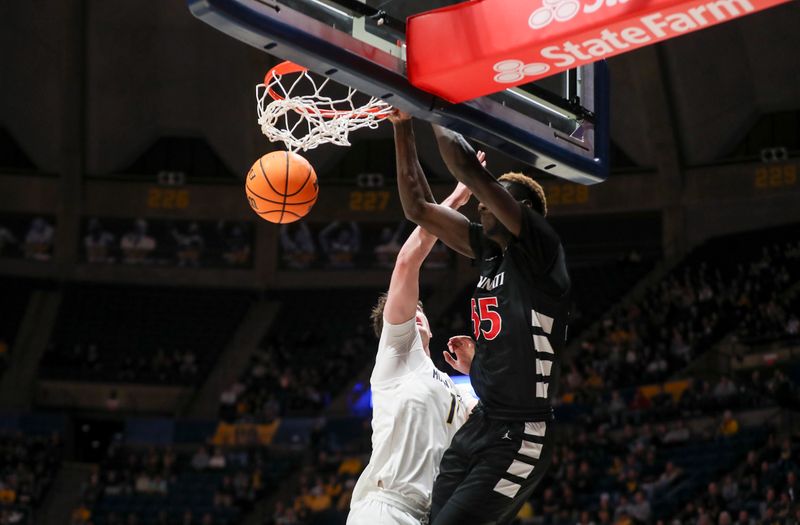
(519, 317)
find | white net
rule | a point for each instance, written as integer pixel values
(293, 110)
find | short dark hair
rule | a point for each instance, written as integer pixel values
(376, 316)
(533, 188)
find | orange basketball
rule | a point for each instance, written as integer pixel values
(281, 187)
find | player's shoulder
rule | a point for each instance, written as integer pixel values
(406, 329)
(534, 224)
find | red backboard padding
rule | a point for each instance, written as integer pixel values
(480, 47)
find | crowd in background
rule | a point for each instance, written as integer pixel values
(620, 473)
(298, 371)
(169, 336)
(628, 463)
(778, 319)
(279, 382)
(347, 245)
(27, 236)
(764, 489)
(191, 244)
(28, 467)
(779, 384)
(680, 317)
(325, 487)
(158, 366)
(161, 486)
(619, 469)
(699, 398)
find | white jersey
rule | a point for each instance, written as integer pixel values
(416, 411)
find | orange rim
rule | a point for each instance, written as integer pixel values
(287, 68)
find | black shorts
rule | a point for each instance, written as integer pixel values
(490, 469)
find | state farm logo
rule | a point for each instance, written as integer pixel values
(640, 28)
(511, 71)
(560, 10)
(564, 10)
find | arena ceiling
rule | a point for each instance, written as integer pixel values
(123, 73)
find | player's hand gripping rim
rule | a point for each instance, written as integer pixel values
(397, 116)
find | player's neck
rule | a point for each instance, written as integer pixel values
(502, 239)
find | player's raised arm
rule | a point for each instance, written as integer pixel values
(460, 159)
(401, 301)
(418, 203)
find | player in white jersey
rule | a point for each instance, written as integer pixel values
(416, 408)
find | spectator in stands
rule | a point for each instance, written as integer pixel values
(280, 516)
(725, 390)
(137, 245)
(666, 479)
(663, 403)
(640, 403)
(188, 363)
(7, 240)
(189, 245)
(729, 490)
(297, 245)
(285, 516)
(224, 497)
(791, 485)
(525, 516)
(792, 327)
(217, 459)
(228, 402)
(340, 242)
(318, 500)
(750, 489)
(236, 242)
(713, 501)
(729, 425)
(751, 466)
(744, 518)
(549, 505)
(616, 408)
(640, 509)
(657, 367)
(767, 506)
(98, 242)
(388, 245)
(112, 401)
(81, 515)
(39, 240)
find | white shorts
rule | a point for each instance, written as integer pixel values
(374, 512)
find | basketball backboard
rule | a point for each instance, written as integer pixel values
(558, 124)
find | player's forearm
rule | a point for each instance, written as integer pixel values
(416, 248)
(457, 154)
(412, 186)
(420, 243)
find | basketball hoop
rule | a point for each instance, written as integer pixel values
(293, 110)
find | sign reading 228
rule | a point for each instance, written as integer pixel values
(483, 311)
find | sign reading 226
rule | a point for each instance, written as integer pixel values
(484, 310)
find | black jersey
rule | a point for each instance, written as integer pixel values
(520, 309)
